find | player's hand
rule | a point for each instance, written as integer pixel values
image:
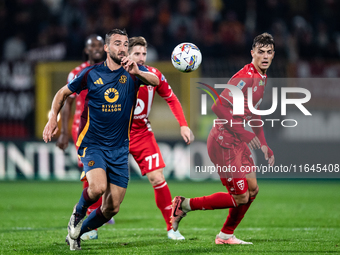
(187, 135)
(255, 143)
(130, 66)
(62, 141)
(50, 129)
(265, 150)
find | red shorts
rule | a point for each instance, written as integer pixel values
(233, 160)
(75, 138)
(145, 151)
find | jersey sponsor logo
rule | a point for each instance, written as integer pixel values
(139, 117)
(91, 163)
(140, 105)
(111, 108)
(150, 88)
(109, 93)
(240, 184)
(99, 81)
(122, 79)
(241, 84)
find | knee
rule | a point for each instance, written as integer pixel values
(254, 192)
(241, 199)
(97, 190)
(109, 212)
(156, 178)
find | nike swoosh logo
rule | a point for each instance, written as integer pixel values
(175, 215)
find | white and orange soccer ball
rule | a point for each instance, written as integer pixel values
(186, 57)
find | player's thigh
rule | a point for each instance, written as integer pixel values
(94, 168)
(112, 198)
(146, 152)
(96, 176)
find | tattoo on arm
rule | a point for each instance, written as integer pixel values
(61, 102)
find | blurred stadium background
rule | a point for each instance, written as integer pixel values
(42, 40)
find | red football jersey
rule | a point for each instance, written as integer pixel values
(80, 99)
(144, 102)
(247, 77)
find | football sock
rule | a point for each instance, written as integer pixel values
(218, 200)
(224, 236)
(93, 221)
(94, 206)
(84, 202)
(235, 216)
(186, 205)
(163, 201)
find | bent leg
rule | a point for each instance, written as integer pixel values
(112, 199)
(97, 185)
(236, 214)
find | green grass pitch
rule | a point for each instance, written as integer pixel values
(287, 217)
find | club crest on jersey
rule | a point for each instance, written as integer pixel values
(240, 184)
(261, 83)
(122, 79)
(91, 163)
(111, 95)
(241, 84)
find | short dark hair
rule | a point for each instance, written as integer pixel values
(137, 41)
(98, 37)
(113, 32)
(263, 40)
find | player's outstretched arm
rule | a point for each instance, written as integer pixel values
(51, 127)
(147, 78)
(63, 139)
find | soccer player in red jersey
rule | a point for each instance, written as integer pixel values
(143, 145)
(227, 146)
(94, 49)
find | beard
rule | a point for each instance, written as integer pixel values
(115, 59)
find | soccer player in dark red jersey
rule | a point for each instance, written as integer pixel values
(104, 132)
(227, 146)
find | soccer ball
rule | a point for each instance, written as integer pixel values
(186, 57)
